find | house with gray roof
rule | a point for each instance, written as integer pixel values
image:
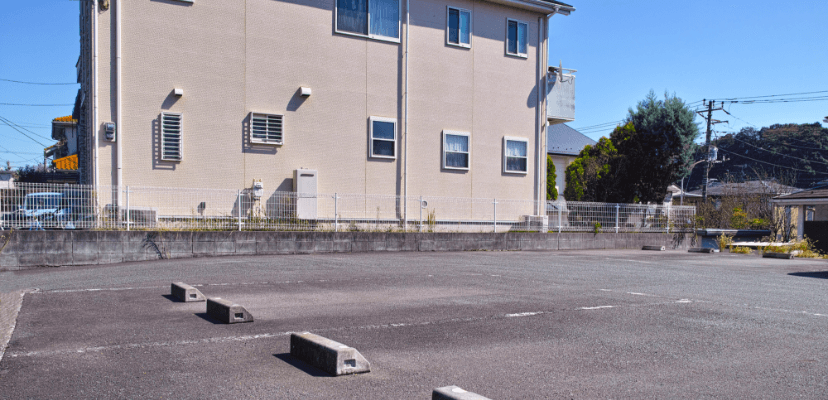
(563, 144)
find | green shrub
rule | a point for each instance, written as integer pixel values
(740, 250)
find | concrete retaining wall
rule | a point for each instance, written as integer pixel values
(28, 249)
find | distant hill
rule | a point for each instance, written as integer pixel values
(794, 154)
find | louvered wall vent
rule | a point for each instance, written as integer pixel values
(171, 136)
(266, 128)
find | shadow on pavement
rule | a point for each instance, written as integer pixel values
(206, 317)
(814, 274)
(172, 298)
(298, 364)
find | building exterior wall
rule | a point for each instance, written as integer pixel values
(232, 58)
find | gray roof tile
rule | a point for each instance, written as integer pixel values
(561, 139)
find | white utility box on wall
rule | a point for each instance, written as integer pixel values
(304, 184)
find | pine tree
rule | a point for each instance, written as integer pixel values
(551, 177)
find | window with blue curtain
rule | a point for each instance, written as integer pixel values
(516, 38)
(456, 151)
(372, 18)
(516, 155)
(459, 27)
(352, 16)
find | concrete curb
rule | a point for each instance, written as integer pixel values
(332, 357)
(455, 393)
(227, 312)
(33, 249)
(10, 304)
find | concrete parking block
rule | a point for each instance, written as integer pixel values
(786, 256)
(227, 312)
(455, 393)
(656, 248)
(701, 250)
(332, 357)
(186, 293)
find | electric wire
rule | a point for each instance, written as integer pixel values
(10, 124)
(37, 83)
(27, 130)
(770, 163)
(774, 152)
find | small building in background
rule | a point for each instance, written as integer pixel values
(64, 154)
(7, 179)
(564, 144)
(717, 190)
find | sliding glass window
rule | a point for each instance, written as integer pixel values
(376, 19)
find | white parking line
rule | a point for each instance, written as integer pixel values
(524, 314)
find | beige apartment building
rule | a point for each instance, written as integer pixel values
(395, 97)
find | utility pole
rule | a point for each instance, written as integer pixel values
(707, 147)
(710, 122)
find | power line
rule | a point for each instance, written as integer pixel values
(36, 105)
(774, 152)
(786, 100)
(583, 128)
(10, 124)
(775, 95)
(36, 83)
(775, 165)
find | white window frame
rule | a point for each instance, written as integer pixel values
(506, 42)
(266, 141)
(369, 35)
(180, 137)
(371, 138)
(459, 44)
(456, 133)
(507, 139)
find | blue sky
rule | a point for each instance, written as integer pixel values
(622, 49)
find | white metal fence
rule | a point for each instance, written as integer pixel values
(61, 206)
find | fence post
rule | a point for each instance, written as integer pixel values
(127, 208)
(669, 209)
(560, 208)
(617, 208)
(495, 215)
(420, 229)
(238, 200)
(336, 212)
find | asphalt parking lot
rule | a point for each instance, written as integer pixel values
(506, 325)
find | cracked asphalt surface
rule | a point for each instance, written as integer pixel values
(506, 325)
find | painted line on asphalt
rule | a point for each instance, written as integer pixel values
(594, 308)
(100, 289)
(624, 259)
(687, 301)
(132, 346)
(115, 289)
(524, 314)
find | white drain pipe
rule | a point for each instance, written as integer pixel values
(94, 91)
(119, 120)
(405, 144)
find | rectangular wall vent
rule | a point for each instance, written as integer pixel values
(266, 128)
(171, 136)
